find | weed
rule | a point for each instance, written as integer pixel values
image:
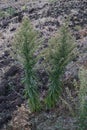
(25, 42)
(61, 52)
(2, 14)
(10, 11)
(82, 95)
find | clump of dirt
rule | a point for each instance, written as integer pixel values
(20, 119)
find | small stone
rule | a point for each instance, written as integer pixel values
(3, 87)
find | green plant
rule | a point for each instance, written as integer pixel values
(60, 53)
(52, 1)
(24, 8)
(10, 11)
(82, 95)
(2, 14)
(25, 45)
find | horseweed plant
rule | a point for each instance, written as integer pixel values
(82, 94)
(60, 53)
(25, 44)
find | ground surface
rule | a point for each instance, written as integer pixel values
(46, 17)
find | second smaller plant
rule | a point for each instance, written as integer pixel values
(60, 53)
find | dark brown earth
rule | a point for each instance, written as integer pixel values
(46, 17)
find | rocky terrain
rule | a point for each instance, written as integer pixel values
(47, 17)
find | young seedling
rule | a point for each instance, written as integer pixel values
(82, 95)
(61, 52)
(25, 45)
